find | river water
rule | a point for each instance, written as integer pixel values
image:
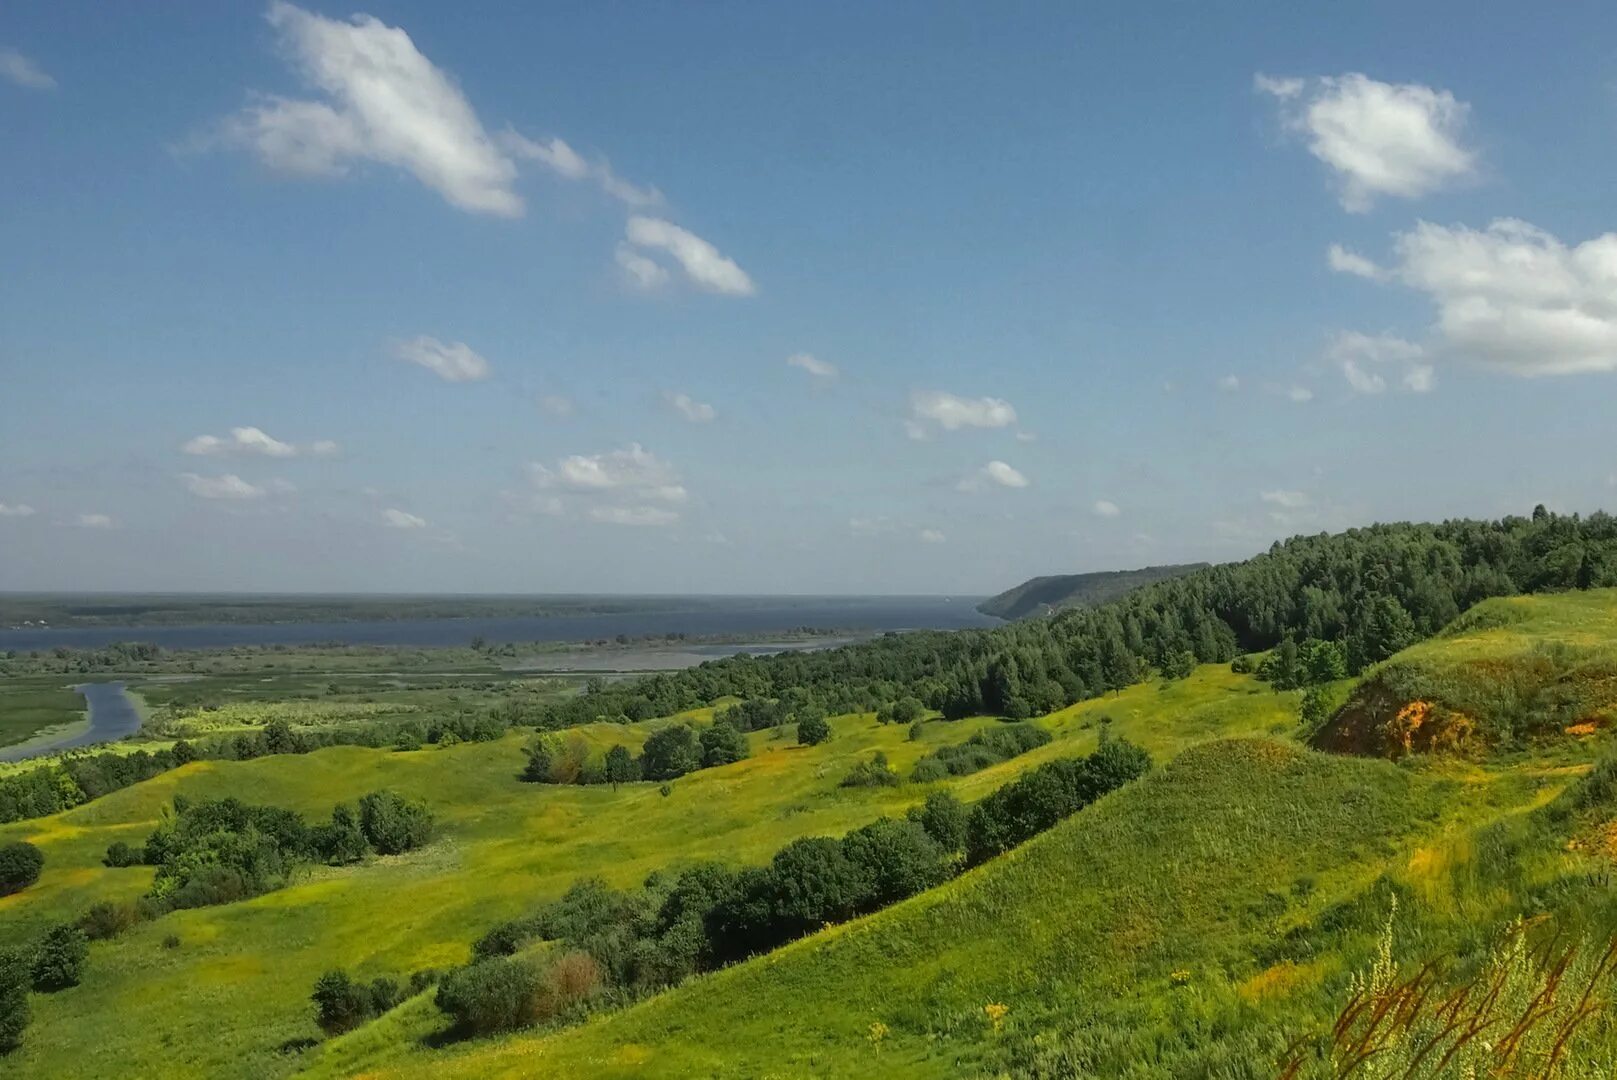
(743, 616)
(112, 716)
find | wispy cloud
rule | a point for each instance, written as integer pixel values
(95, 521)
(629, 486)
(1106, 508)
(252, 441)
(561, 159)
(702, 263)
(938, 408)
(225, 486)
(394, 518)
(17, 510)
(994, 474)
(454, 361)
(695, 411)
(23, 71)
(820, 369)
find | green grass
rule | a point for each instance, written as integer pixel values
(1199, 920)
(504, 846)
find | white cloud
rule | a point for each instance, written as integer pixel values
(1291, 500)
(995, 472)
(702, 263)
(1420, 378)
(1229, 382)
(20, 510)
(1026, 436)
(1358, 354)
(1344, 261)
(625, 481)
(94, 521)
(556, 405)
(694, 411)
(561, 159)
(1106, 508)
(452, 362)
(17, 68)
(248, 441)
(384, 102)
(641, 272)
(1299, 394)
(951, 413)
(932, 536)
(820, 369)
(1399, 140)
(1514, 297)
(225, 486)
(633, 515)
(399, 519)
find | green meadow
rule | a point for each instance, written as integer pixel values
(1206, 918)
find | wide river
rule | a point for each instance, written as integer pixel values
(747, 616)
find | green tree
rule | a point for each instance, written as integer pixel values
(15, 977)
(59, 960)
(1315, 710)
(944, 818)
(393, 824)
(1323, 662)
(671, 752)
(722, 744)
(621, 767)
(812, 729)
(541, 760)
(20, 864)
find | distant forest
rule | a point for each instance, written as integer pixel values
(1373, 591)
(1077, 590)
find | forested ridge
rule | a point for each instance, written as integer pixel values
(1074, 590)
(1374, 590)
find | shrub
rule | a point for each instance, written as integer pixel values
(20, 864)
(393, 824)
(873, 773)
(340, 1004)
(15, 977)
(917, 729)
(59, 960)
(722, 744)
(493, 995)
(106, 919)
(980, 751)
(120, 853)
(893, 859)
(812, 730)
(670, 753)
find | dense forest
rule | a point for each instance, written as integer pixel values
(1372, 591)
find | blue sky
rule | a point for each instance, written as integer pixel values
(509, 299)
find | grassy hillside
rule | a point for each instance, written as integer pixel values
(1076, 590)
(504, 845)
(1508, 674)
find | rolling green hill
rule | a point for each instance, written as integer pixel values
(1055, 591)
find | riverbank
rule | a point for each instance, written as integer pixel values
(111, 712)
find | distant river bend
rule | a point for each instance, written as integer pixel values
(112, 716)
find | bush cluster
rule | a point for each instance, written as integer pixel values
(709, 915)
(980, 751)
(669, 753)
(873, 773)
(214, 851)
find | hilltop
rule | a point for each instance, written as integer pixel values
(1077, 590)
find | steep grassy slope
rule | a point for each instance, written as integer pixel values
(1508, 673)
(145, 1009)
(1071, 590)
(1191, 870)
